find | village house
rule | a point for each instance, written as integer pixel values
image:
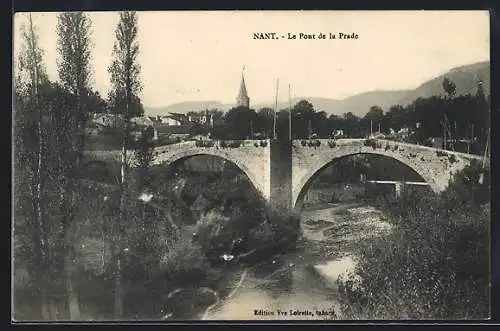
(173, 119)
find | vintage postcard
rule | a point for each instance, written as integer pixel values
(251, 165)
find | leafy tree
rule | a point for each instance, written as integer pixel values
(335, 122)
(265, 120)
(126, 86)
(321, 124)
(394, 119)
(73, 46)
(241, 120)
(117, 104)
(449, 87)
(95, 103)
(373, 118)
(351, 125)
(302, 117)
(30, 77)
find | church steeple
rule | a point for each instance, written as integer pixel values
(243, 100)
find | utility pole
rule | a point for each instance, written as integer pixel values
(289, 113)
(276, 108)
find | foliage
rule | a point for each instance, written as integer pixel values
(422, 118)
(371, 143)
(241, 121)
(125, 69)
(204, 143)
(73, 46)
(434, 264)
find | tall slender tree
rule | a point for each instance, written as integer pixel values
(31, 76)
(126, 86)
(73, 46)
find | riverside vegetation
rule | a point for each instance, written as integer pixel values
(433, 265)
(88, 247)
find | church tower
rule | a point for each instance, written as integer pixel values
(243, 100)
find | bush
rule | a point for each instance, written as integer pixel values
(439, 153)
(370, 143)
(263, 143)
(332, 143)
(303, 143)
(434, 264)
(204, 143)
(314, 143)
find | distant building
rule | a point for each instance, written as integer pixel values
(172, 119)
(142, 121)
(107, 120)
(243, 100)
(203, 118)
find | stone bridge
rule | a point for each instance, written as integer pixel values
(282, 172)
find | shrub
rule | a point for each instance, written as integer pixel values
(303, 143)
(204, 143)
(434, 264)
(439, 153)
(314, 143)
(223, 144)
(263, 143)
(332, 143)
(371, 142)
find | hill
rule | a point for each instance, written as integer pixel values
(465, 78)
(185, 107)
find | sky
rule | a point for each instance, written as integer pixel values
(199, 56)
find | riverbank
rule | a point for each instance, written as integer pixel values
(305, 281)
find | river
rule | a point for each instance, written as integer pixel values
(302, 284)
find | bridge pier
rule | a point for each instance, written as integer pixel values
(281, 176)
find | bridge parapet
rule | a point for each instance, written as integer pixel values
(435, 166)
(251, 156)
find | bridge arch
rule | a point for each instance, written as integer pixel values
(319, 162)
(251, 167)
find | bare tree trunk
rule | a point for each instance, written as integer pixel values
(39, 236)
(71, 272)
(118, 276)
(70, 266)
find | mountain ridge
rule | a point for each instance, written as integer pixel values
(465, 77)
